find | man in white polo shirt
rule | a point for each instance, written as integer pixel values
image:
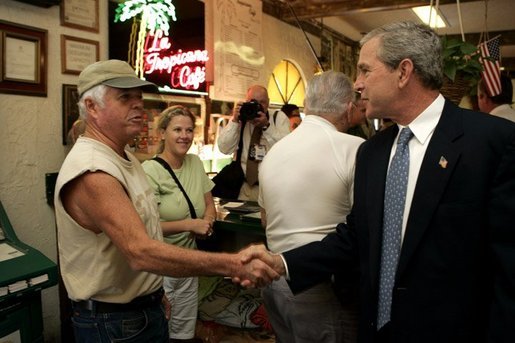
(306, 185)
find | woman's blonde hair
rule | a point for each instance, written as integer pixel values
(166, 116)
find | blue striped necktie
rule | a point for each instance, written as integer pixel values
(394, 200)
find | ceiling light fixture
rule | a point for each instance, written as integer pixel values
(424, 12)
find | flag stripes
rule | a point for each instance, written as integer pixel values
(491, 74)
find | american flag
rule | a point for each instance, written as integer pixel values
(491, 74)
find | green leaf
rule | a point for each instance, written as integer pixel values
(453, 43)
(468, 49)
(449, 70)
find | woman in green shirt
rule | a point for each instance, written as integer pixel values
(176, 125)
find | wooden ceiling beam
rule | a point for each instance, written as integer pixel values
(507, 37)
(307, 9)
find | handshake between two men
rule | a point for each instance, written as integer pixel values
(259, 267)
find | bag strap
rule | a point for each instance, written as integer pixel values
(193, 214)
(240, 143)
(275, 115)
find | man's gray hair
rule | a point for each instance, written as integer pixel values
(97, 94)
(328, 93)
(416, 42)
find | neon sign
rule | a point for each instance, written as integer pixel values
(185, 70)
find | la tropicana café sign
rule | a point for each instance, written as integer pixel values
(172, 68)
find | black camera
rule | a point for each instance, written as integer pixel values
(249, 110)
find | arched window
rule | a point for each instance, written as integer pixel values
(286, 85)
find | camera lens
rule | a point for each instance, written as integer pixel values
(249, 110)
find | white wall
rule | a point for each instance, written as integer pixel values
(30, 128)
(284, 41)
(30, 141)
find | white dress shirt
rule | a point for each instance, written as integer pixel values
(422, 127)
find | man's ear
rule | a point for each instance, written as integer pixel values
(348, 117)
(350, 110)
(405, 70)
(91, 106)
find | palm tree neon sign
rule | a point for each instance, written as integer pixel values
(155, 15)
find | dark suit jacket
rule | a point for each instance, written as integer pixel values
(456, 276)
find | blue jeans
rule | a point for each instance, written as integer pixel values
(146, 325)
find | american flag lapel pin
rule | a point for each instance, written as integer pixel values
(443, 162)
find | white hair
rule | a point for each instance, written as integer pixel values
(96, 94)
(328, 93)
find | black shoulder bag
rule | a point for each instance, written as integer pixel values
(193, 214)
(228, 181)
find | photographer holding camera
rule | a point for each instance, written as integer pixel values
(261, 131)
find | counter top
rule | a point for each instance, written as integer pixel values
(233, 222)
(232, 233)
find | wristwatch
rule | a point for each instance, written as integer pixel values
(266, 126)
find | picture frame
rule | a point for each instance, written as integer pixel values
(23, 59)
(80, 14)
(77, 53)
(70, 113)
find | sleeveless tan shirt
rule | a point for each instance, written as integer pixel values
(91, 265)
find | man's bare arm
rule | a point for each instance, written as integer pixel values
(98, 202)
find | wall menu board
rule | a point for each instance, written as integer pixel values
(238, 50)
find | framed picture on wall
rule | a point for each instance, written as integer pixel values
(23, 59)
(77, 53)
(72, 126)
(80, 14)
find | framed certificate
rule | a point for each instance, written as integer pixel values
(23, 59)
(77, 53)
(80, 14)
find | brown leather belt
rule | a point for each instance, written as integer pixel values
(136, 304)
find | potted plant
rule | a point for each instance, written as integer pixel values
(461, 67)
